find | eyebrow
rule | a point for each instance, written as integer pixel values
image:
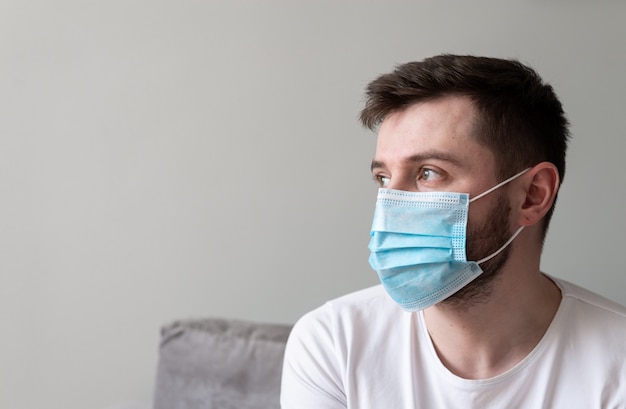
(437, 155)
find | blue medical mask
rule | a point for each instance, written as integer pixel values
(418, 245)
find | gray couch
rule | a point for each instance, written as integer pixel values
(220, 364)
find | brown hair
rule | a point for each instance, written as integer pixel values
(520, 117)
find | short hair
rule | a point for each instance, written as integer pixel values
(520, 119)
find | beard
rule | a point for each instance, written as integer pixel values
(481, 242)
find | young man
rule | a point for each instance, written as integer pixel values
(469, 158)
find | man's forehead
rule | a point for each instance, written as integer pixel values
(442, 130)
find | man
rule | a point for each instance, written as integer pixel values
(469, 159)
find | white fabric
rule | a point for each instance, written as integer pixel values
(362, 351)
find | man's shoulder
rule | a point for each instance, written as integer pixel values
(590, 301)
(356, 302)
(594, 321)
(369, 302)
(362, 310)
(361, 298)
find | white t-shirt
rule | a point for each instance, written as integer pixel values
(362, 351)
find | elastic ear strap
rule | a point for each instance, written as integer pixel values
(503, 247)
(499, 185)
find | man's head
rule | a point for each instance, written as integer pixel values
(519, 117)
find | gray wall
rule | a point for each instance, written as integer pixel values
(173, 159)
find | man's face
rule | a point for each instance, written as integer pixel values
(430, 147)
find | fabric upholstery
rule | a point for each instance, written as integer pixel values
(217, 363)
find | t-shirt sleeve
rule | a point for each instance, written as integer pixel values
(312, 374)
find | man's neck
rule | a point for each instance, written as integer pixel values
(491, 337)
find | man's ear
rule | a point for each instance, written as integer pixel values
(540, 186)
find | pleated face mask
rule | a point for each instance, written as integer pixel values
(418, 245)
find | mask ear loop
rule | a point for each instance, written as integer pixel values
(519, 230)
(486, 192)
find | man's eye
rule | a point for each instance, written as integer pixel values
(382, 181)
(428, 174)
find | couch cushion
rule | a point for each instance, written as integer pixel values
(217, 363)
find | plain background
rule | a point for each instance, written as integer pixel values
(174, 159)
